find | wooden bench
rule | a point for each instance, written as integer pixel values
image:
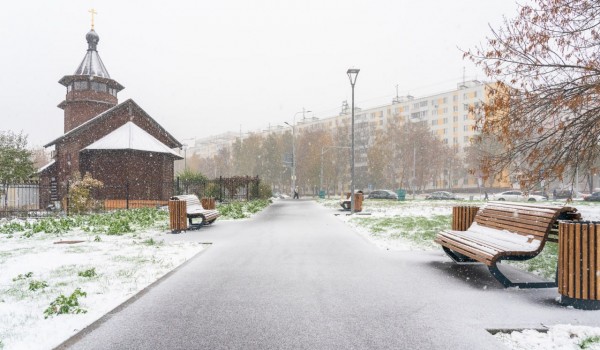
(195, 210)
(506, 231)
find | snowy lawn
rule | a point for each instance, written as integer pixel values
(413, 224)
(60, 275)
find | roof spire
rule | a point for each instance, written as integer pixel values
(93, 12)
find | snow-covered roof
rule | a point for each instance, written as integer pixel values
(131, 105)
(131, 136)
(46, 166)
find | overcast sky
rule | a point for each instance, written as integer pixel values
(205, 67)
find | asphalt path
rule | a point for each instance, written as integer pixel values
(297, 277)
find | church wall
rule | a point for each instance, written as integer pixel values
(142, 172)
(68, 150)
(79, 112)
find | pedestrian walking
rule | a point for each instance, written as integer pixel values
(296, 196)
(485, 198)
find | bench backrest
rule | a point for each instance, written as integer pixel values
(532, 220)
(192, 201)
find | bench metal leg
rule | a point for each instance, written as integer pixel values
(523, 285)
(458, 257)
(195, 226)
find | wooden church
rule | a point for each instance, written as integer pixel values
(117, 143)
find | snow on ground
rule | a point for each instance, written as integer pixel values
(124, 265)
(557, 337)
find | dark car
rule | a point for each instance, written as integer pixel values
(442, 195)
(382, 194)
(594, 197)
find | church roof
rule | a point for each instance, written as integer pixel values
(131, 137)
(131, 105)
(92, 64)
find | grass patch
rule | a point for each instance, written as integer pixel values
(419, 230)
(242, 209)
(114, 223)
(543, 265)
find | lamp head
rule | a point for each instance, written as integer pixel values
(353, 74)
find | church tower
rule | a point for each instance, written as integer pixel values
(90, 90)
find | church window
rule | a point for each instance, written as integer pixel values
(69, 88)
(100, 87)
(81, 85)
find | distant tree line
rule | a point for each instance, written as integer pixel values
(402, 155)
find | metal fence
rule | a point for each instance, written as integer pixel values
(34, 199)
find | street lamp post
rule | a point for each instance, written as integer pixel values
(352, 74)
(293, 126)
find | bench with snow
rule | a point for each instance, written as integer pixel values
(506, 231)
(195, 210)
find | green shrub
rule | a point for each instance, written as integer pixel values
(35, 285)
(87, 273)
(66, 305)
(22, 277)
(80, 193)
(588, 342)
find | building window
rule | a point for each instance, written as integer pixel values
(445, 109)
(465, 128)
(455, 118)
(423, 103)
(434, 122)
(100, 87)
(466, 139)
(465, 117)
(80, 85)
(455, 98)
(445, 120)
(455, 108)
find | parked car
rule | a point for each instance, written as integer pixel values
(517, 196)
(441, 195)
(382, 194)
(594, 197)
(562, 194)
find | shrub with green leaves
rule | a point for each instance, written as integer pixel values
(23, 276)
(88, 273)
(589, 342)
(36, 285)
(66, 305)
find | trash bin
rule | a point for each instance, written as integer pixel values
(208, 203)
(579, 264)
(322, 194)
(177, 215)
(358, 200)
(401, 194)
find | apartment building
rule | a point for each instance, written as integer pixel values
(446, 113)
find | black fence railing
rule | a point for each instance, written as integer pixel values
(34, 199)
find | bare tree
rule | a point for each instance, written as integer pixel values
(545, 106)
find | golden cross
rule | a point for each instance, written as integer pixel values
(93, 12)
